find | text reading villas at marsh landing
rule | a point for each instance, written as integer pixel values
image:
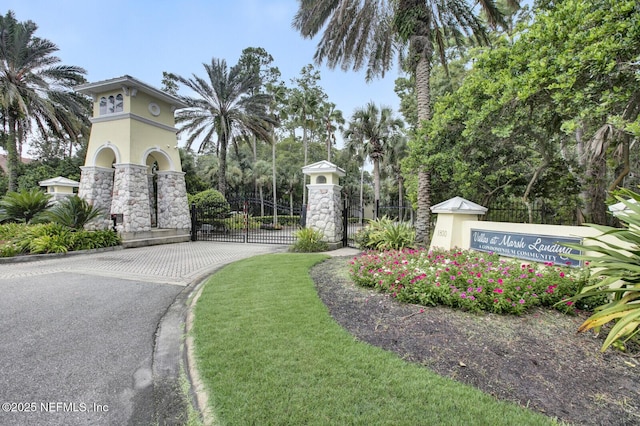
(536, 248)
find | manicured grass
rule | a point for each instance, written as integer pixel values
(270, 353)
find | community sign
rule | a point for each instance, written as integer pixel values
(532, 247)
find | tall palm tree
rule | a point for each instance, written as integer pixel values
(369, 33)
(371, 131)
(391, 164)
(332, 120)
(229, 108)
(34, 89)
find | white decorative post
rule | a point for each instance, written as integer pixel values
(324, 208)
(451, 215)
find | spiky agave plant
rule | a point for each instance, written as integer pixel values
(615, 272)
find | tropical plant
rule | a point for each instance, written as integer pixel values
(385, 234)
(73, 212)
(371, 132)
(35, 88)
(615, 272)
(309, 240)
(21, 238)
(304, 103)
(24, 206)
(229, 106)
(367, 34)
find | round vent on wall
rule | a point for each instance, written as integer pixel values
(154, 109)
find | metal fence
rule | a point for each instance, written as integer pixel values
(246, 220)
(516, 211)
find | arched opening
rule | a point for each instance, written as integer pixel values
(156, 161)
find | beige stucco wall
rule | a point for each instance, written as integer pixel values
(133, 134)
(60, 189)
(145, 137)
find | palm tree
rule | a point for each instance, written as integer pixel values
(368, 34)
(332, 120)
(391, 164)
(371, 131)
(35, 89)
(229, 106)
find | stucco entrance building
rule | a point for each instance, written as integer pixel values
(132, 169)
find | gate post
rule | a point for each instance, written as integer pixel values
(194, 224)
(324, 209)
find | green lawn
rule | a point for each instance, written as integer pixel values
(269, 353)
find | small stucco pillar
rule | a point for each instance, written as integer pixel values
(324, 208)
(451, 215)
(59, 187)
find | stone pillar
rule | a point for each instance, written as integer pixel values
(173, 206)
(324, 212)
(131, 198)
(324, 208)
(96, 187)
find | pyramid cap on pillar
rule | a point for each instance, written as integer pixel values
(459, 205)
(322, 167)
(59, 181)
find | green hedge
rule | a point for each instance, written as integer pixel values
(17, 239)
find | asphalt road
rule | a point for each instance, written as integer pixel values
(95, 339)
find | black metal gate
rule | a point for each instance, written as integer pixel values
(356, 218)
(353, 221)
(247, 220)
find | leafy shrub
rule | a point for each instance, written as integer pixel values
(56, 243)
(73, 212)
(385, 234)
(615, 274)
(210, 199)
(468, 280)
(213, 209)
(309, 240)
(51, 238)
(24, 206)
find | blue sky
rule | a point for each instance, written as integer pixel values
(110, 38)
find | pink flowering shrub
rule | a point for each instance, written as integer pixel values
(468, 280)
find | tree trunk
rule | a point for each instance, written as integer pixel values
(304, 177)
(12, 155)
(376, 180)
(423, 91)
(273, 180)
(423, 217)
(222, 167)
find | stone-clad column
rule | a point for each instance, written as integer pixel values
(173, 207)
(324, 212)
(131, 198)
(96, 187)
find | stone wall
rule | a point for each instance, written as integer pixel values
(96, 186)
(173, 207)
(324, 211)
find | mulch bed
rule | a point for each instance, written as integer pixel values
(535, 360)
